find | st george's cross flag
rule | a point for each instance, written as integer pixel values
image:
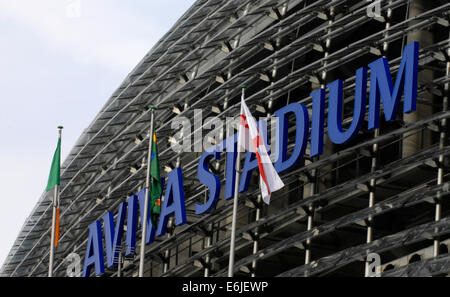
(251, 140)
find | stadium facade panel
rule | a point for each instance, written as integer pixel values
(384, 193)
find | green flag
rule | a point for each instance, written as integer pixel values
(155, 179)
(54, 177)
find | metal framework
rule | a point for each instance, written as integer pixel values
(383, 193)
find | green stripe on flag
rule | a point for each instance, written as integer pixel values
(55, 171)
(155, 177)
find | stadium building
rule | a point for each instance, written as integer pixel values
(384, 192)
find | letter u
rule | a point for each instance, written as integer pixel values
(335, 131)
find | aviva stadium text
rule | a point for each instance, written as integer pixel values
(381, 87)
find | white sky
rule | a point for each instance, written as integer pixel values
(59, 68)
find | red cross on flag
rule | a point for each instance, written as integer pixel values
(251, 140)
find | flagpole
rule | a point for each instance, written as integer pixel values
(235, 205)
(55, 203)
(147, 194)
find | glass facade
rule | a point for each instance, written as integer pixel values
(384, 192)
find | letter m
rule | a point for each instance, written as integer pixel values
(381, 86)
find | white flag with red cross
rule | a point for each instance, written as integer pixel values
(251, 140)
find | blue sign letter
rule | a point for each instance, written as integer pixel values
(230, 173)
(113, 235)
(173, 203)
(335, 132)
(381, 86)
(317, 122)
(133, 219)
(94, 251)
(301, 136)
(210, 180)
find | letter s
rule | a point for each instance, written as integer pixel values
(209, 180)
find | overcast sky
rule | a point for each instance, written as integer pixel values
(60, 60)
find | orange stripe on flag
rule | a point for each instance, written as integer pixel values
(57, 228)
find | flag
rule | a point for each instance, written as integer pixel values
(57, 228)
(155, 180)
(54, 180)
(251, 140)
(55, 171)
